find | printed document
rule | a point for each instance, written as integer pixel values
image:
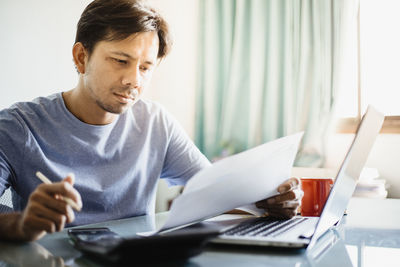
(236, 181)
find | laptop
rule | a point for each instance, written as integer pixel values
(305, 231)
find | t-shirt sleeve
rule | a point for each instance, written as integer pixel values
(4, 174)
(183, 159)
(12, 140)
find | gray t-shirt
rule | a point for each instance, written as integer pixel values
(116, 166)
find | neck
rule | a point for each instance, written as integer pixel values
(83, 107)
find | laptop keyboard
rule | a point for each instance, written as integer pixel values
(263, 226)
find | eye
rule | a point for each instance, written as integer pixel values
(144, 68)
(120, 61)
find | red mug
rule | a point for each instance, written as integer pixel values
(316, 192)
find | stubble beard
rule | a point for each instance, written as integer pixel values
(114, 109)
(110, 108)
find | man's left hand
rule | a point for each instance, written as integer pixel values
(286, 203)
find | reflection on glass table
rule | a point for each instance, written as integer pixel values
(28, 254)
(373, 247)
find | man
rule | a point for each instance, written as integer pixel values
(117, 144)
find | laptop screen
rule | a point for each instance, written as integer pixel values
(349, 172)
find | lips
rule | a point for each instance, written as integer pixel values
(124, 98)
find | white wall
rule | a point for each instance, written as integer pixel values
(385, 156)
(36, 42)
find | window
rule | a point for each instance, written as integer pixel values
(372, 70)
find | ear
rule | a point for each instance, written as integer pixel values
(80, 56)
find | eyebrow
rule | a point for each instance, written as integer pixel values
(130, 57)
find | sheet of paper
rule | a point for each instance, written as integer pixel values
(235, 181)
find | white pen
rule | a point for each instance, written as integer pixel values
(69, 201)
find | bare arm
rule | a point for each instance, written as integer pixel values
(9, 229)
(44, 213)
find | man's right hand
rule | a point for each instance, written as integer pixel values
(46, 212)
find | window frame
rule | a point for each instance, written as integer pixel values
(391, 124)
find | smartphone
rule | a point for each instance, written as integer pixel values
(102, 236)
(104, 244)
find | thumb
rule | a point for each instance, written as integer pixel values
(70, 178)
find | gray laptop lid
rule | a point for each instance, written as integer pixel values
(349, 172)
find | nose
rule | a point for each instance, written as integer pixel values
(132, 78)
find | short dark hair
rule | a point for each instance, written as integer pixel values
(114, 20)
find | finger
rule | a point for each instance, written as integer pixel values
(282, 214)
(43, 212)
(282, 210)
(64, 189)
(56, 219)
(291, 204)
(287, 204)
(70, 202)
(70, 178)
(35, 223)
(290, 184)
(56, 205)
(288, 196)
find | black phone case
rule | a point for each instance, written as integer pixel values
(176, 245)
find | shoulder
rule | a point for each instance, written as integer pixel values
(36, 107)
(39, 104)
(148, 109)
(22, 113)
(148, 106)
(152, 115)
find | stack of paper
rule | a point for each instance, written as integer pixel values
(369, 185)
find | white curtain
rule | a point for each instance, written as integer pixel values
(269, 68)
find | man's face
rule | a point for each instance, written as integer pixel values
(116, 69)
